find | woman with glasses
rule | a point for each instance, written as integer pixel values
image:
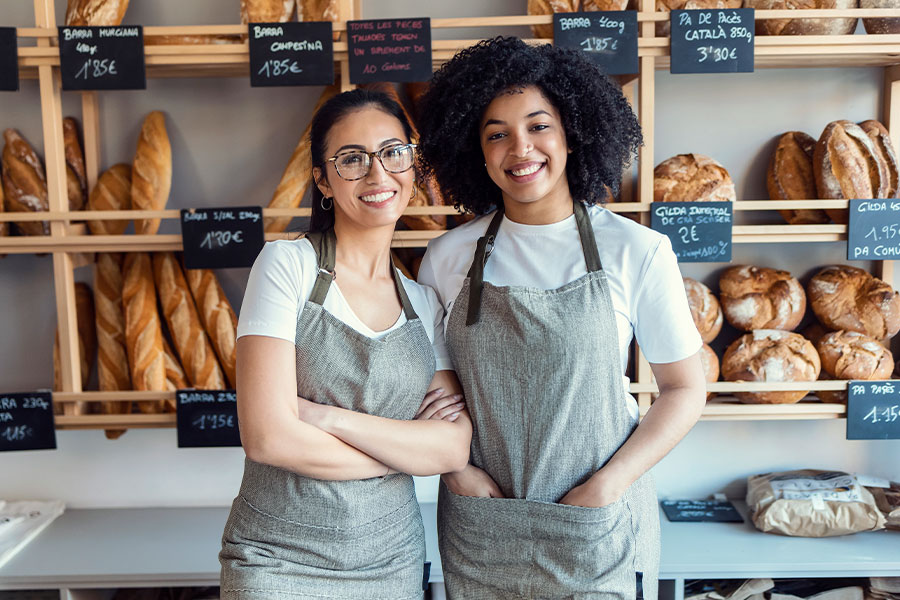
(343, 380)
(544, 294)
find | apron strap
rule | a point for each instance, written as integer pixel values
(324, 244)
(483, 249)
(588, 239)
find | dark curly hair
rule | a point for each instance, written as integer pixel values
(601, 129)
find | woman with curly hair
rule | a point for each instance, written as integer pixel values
(544, 293)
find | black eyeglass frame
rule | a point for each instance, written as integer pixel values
(377, 154)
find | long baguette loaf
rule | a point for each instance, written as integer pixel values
(297, 174)
(548, 7)
(266, 11)
(319, 10)
(87, 346)
(193, 347)
(99, 13)
(111, 192)
(24, 183)
(192, 40)
(151, 175)
(76, 177)
(112, 357)
(143, 330)
(176, 379)
(217, 317)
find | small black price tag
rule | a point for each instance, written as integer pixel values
(291, 54)
(206, 418)
(389, 50)
(696, 511)
(26, 422)
(874, 230)
(699, 231)
(608, 38)
(873, 410)
(718, 40)
(221, 238)
(102, 58)
(9, 60)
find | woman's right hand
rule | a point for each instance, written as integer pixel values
(439, 407)
(472, 481)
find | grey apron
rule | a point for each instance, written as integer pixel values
(290, 536)
(543, 384)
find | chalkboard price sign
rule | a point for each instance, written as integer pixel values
(389, 50)
(719, 511)
(699, 231)
(608, 38)
(873, 410)
(9, 60)
(26, 422)
(716, 40)
(874, 230)
(221, 238)
(284, 54)
(206, 418)
(102, 58)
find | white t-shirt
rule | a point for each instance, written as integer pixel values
(282, 279)
(645, 283)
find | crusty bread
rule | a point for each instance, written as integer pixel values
(192, 40)
(881, 25)
(4, 226)
(194, 349)
(143, 330)
(24, 182)
(851, 355)
(76, 177)
(111, 192)
(151, 174)
(761, 298)
(97, 13)
(790, 177)
(880, 137)
(705, 309)
(266, 11)
(846, 165)
(691, 178)
(548, 7)
(710, 363)
(771, 355)
(217, 316)
(663, 27)
(849, 298)
(600, 5)
(176, 379)
(297, 174)
(798, 26)
(112, 356)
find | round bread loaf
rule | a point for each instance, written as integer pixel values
(710, 363)
(771, 355)
(692, 178)
(761, 298)
(844, 26)
(790, 177)
(844, 297)
(881, 25)
(663, 28)
(814, 332)
(852, 355)
(705, 309)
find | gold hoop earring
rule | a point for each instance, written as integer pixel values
(415, 191)
(330, 203)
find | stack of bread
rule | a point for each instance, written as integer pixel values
(848, 161)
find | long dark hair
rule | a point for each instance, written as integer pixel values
(325, 118)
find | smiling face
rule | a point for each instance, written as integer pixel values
(525, 149)
(379, 198)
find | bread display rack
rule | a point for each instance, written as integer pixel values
(68, 241)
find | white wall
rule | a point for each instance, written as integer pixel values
(230, 144)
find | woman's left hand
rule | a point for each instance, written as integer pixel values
(592, 493)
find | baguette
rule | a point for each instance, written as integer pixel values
(217, 317)
(151, 175)
(76, 178)
(175, 376)
(266, 11)
(143, 331)
(24, 183)
(87, 347)
(190, 341)
(192, 40)
(297, 174)
(111, 192)
(100, 13)
(548, 7)
(112, 356)
(4, 226)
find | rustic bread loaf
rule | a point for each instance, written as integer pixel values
(885, 151)
(266, 11)
(852, 355)
(24, 183)
(97, 13)
(846, 165)
(771, 355)
(798, 26)
(844, 297)
(761, 298)
(143, 329)
(663, 27)
(881, 25)
(691, 178)
(705, 309)
(111, 192)
(548, 7)
(151, 173)
(790, 177)
(217, 317)
(194, 349)
(76, 176)
(601, 5)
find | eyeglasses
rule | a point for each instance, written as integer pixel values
(356, 164)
